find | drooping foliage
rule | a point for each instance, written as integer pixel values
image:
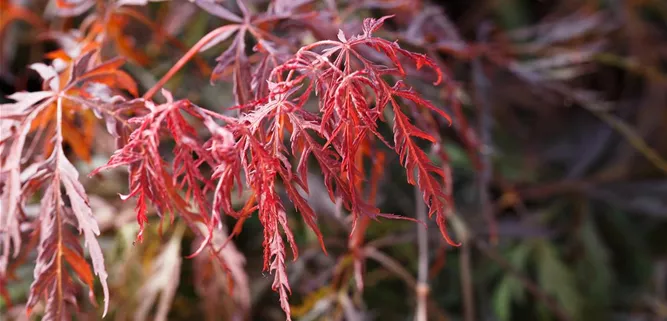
(322, 103)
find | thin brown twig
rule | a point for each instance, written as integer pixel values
(466, 283)
(422, 288)
(486, 173)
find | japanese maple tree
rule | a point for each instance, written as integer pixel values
(333, 103)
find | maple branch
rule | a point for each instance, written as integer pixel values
(188, 55)
(485, 173)
(58, 208)
(203, 67)
(422, 288)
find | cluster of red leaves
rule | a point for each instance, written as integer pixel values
(265, 149)
(249, 152)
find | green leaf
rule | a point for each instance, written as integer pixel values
(594, 271)
(556, 279)
(508, 290)
(519, 255)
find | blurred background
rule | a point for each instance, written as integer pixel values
(557, 153)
